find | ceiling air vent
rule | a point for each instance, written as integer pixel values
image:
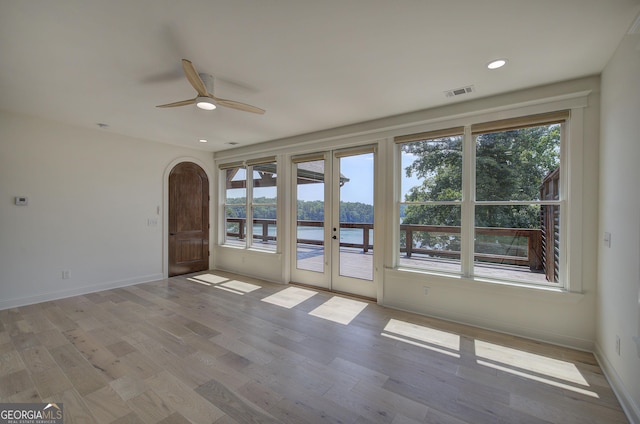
(459, 91)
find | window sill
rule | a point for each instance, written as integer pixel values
(247, 249)
(451, 282)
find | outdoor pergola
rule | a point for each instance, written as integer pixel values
(308, 173)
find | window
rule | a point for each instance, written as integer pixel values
(235, 204)
(251, 199)
(263, 204)
(500, 218)
(430, 208)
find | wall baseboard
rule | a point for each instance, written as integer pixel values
(500, 327)
(45, 297)
(629, 405)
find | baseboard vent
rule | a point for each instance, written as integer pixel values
(459, 91)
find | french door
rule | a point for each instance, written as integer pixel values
(333, 197)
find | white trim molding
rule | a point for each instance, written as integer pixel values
(629, 405)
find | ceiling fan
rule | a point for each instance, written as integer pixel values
(203, 84)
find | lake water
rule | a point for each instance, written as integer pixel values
(347, 235)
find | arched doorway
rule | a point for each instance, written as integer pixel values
(188, 219)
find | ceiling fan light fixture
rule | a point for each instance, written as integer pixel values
(498, 63)
(205, 103)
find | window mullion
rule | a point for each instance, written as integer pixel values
(570, 171)
(249, 206)
(468, 203)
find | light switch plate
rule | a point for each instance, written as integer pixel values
(22, 201)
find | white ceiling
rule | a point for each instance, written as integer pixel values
(312, 64)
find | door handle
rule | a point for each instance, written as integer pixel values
(334, 237)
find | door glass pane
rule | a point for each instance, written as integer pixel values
(310, 216)
(356, 216)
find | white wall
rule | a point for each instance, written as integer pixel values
(91, 194)
(561, 318)
(618, 266)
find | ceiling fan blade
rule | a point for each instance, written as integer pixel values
(194, 78)
(237, 105)
(180, 103)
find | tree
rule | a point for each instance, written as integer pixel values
(349, 211)
(439, 164)
(510, 166)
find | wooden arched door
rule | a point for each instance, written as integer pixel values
(188, 219)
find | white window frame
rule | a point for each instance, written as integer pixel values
(470, 142)
(249, 205)
(250, 243)
(571, 165)
(434, 135)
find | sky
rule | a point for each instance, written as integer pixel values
(358, 169)
(359, 188)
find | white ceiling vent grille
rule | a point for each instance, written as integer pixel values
(460, 91)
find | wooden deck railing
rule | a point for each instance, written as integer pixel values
(534, 240)
(534, 245)
(550, 224)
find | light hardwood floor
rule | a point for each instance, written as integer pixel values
(179, 351)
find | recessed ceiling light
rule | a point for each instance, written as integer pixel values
(498, 63)
(202, 140)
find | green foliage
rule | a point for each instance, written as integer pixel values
(439, 165)
(349, 211)
(356, 212)
(510, 166)
(307, 210)
(310, 211)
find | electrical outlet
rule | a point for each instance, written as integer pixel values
(65, 275)
(618, 345)
(426, 290)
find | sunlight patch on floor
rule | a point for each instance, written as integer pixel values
(425, 337)
(240, 286)
(289, 297)
(538, 378)
(193, 280)
(210, 278)
(554, 372)
(229, 290)
(339, 309)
